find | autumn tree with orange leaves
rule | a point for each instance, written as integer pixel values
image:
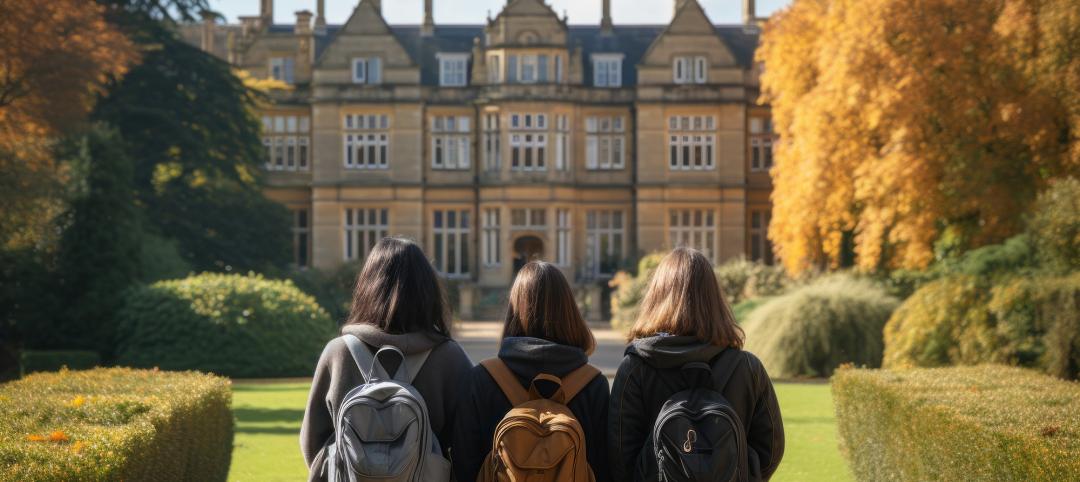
(912, 128)
(55, 58)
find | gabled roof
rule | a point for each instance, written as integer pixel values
(630, 40)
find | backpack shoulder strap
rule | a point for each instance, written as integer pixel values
(728, 361)
(363, 357)
(413, 364)
(506, 380)
(577, 380)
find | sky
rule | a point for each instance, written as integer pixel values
(475, 11)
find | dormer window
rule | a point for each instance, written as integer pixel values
(282, 68)
(452, 69)
(690, 70)
(367, 70)
(527, 69)
(607, 70)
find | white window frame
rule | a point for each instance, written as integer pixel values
(366, 141)
(701, 70)
(492, 139)
(691, 143)
(371, 74)
(451, 142)
(453, 69)
(528, 64)
(292, 134)
(694, 228)
(603, 227)
(449, 234)
(363, 223)
(563, 239)
(492, 240)
(605, 142)
(530, 217)
(528, 142)
(680, 70)
(562, 143)
(607, 70)
(285, 69)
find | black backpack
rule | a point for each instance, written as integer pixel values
(697, 435)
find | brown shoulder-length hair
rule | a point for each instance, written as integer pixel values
(542, 306)
(684, 298)
(399, 292)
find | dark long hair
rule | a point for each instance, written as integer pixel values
(684, 298)
(399, 292)
(542, 306)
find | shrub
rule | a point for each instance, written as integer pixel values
(332, 289)
(115, 424)
(629, 290)
(741, 279)
(815, 328)
(1055, 225)
(964, 320)
(51, 361)
(988, 423)
(239, 326)
(743, 309)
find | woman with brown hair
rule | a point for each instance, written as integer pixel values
(398, 302)
(687, 403)
(544, 335)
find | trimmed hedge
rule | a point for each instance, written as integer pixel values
(32, 361)
(238, 326)
(813, 329)
(1031, 321)
(987, 423)
(116, 424)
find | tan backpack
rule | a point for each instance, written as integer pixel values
(538, 440)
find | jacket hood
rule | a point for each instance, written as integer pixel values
(666, 351)
(408, 343)
(528, 357)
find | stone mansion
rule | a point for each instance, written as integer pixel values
(523, 137)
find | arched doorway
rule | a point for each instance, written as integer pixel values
(527, 248)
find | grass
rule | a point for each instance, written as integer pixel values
(269, 414)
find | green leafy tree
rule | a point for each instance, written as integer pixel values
(188, 123)
(96, 260)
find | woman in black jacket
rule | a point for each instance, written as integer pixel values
(684, 319)
(543, 333)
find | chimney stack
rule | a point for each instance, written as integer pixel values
(679, 4)
(303, 23)
(209, 25)
(428, 28)
(320, 17)
(266, 12)
(749, 12)
(606, 27)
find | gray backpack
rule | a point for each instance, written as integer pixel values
(381, 428)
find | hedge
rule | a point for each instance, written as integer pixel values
(115, 424)
(238, 326)
(1029, 320)
(986, 423)
(812, 329)
(32, 361)
(741, 279)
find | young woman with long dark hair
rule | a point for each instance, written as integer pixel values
(399, 302)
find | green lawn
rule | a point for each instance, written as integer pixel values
(268, 423)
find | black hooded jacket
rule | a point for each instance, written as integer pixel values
(651, 372)
(482, 404)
